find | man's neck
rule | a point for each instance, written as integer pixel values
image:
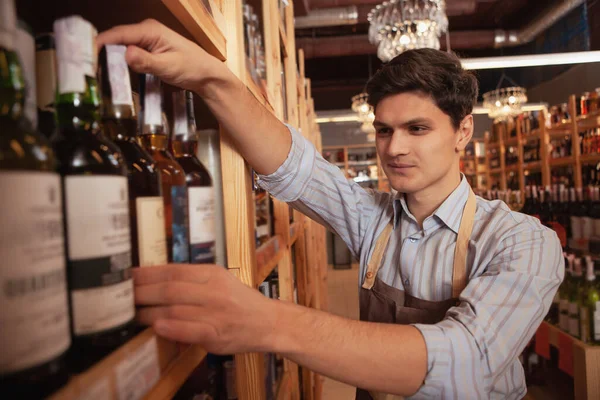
(423, 203)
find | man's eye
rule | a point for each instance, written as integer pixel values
(418, 129)
(384, 131)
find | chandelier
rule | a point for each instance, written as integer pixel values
(366, 116)
(400, 25)
(503, 104)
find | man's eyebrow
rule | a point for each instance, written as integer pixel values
(414, 121)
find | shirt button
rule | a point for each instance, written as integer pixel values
(369, 275)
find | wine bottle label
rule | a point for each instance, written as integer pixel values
(26, 51)
(76, 53)
(152, 238)
(8, 24)
(597, 322)
(180, 123)
(118, 75)
(587, 227)
(138, 372)
(99, 252)
(597, 227)
(179, 224)
(584, 324)
(202, 224)
(576, 231)
(45, 66)
(34, 316)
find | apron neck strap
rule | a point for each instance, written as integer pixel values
(459, 268)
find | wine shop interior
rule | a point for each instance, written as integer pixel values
(105, 169)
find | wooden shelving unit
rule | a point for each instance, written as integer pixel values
(545, 134)
(581, 360)
(148, 366)
(381, 181)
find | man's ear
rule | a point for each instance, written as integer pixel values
(464, 133)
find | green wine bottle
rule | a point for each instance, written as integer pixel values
(34, 332)
(589, 310)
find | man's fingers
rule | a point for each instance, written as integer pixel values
(144, 34)
(149, 315)
(143, 62)
(184, 331)
(193, 273)
(169, 293)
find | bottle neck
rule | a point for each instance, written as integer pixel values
(154, 141)
(12, 85)
(79, 111)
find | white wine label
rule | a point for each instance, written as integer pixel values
(99, 246)
(45, 61)
(576, 228)
(26, 50)
(152, 101)
(34, 316)
(100, 390)
(202, 224)
(76, 53)
(179, 224)
(597, 227)
(587, 227)
(152, 238)
(138, 372)
(118, 75)
(596, 322)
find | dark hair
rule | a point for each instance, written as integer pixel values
(433, 72)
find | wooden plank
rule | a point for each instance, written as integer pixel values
(289, 64)
(544, 156)
(259, 94)
(268, 256)
(201, 24)
(177, 373)
(238, 208)
(272, 54)
(294, 232)
(562, 162)
(575, 149)
(283, 40)
(137, 365)
(590, 159)
(284, 389)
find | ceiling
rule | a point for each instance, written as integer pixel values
(339, 59)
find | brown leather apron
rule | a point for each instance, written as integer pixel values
(380, 302)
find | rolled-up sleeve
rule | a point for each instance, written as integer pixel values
(473, 352)
(321, 191)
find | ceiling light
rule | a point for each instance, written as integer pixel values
(532, 60)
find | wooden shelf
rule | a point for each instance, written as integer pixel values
(283, 390)
(146, 366)
(512, 168)
(562, 162)
(360, 163)
(495, 145)
(561, 126)
(512, 142)
(495, 171)
(534, 134)
(590, 158)
(201, 24)
(283, 40)
(535, 165)
(260, 95)
(559, 133)
(295, 231)
(589, 121)
(268, 256)
(585, 360)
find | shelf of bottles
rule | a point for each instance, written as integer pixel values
(472, 164)
(109, 171)
(359, 163)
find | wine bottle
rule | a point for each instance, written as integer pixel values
(146, 208)
(574, 295)
(174, 189)
(25, 48)
(587, 222)
(201, 193)
(96, 208)
(34, 336)
(589, 310)
(564, 291)
(576, 232)
(595, 211)
(45, 57)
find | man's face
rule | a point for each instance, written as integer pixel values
(416, 142)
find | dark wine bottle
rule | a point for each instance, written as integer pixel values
(46, 83)
(174, 189)
(146, 208)
(34, 335)
(201, 193)
(96, 207)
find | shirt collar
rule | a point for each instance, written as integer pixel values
(449, 212)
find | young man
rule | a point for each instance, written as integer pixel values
(453, 286)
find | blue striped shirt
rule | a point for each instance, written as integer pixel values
(515, 266)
